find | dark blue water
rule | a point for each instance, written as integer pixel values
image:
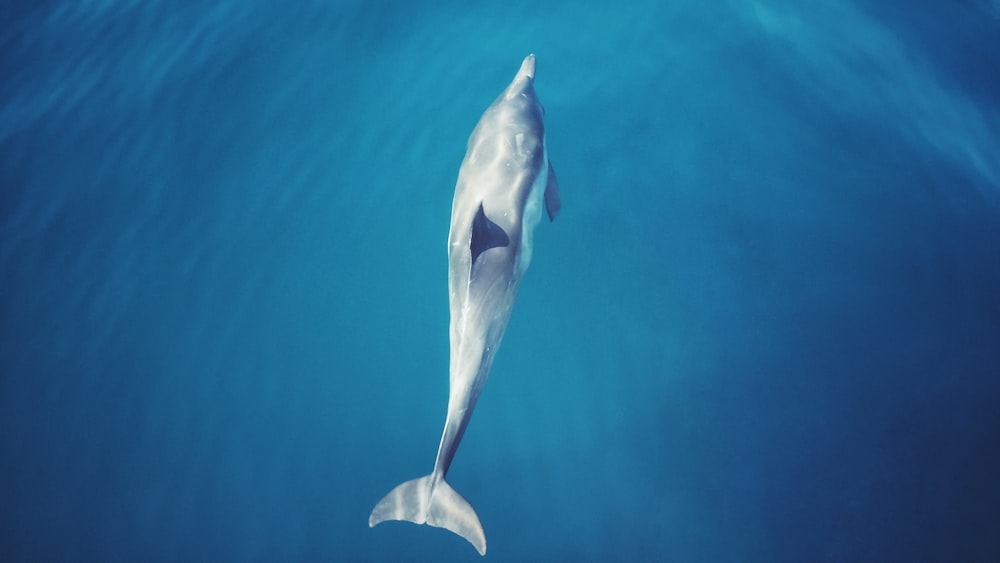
(765, 326)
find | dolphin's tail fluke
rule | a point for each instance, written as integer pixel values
(431, 500)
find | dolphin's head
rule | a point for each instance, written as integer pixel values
(527, 68)
(523, 82)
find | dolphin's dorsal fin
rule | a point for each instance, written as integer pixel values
(552, 201)
(486, 234)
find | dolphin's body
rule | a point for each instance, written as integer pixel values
(504, 181)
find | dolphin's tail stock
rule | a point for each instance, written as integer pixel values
(431, 500)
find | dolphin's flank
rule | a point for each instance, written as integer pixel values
(503, 184)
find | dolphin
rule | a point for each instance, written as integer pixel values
(504, 182)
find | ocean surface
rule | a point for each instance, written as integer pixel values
(764, 328)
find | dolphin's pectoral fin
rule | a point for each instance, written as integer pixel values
(552, 201)
(486, 234)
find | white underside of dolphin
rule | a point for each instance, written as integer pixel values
(503, 184)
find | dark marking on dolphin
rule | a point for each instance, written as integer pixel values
(486, 235)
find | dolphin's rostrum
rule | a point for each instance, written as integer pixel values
(503, 183)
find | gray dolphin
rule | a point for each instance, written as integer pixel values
(503, 183)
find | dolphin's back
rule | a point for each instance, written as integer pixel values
(503, 184)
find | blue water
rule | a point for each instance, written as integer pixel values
(764, 328)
